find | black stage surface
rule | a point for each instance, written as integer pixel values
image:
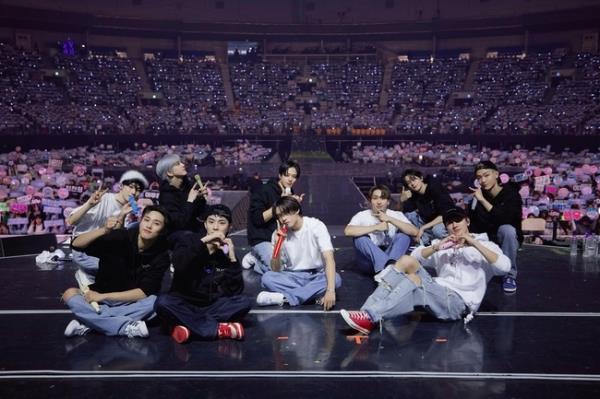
(540, 342)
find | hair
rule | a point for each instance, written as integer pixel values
(161, 210)
(287, 205)
(411, 172)
(218, 210)
(290, 163)
(385, 191)
(485, 165)
(165, 164)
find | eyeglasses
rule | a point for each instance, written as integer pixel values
(135, 187)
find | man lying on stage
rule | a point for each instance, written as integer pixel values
(306, 261)
(464, 263)
(205, 295)
(131, 266)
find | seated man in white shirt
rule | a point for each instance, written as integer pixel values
(306, 261)
(381, 235)
(464, 263)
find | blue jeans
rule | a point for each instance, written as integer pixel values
(87, 264)
(298, 287)
(113, 317)
(263, 252)
(397, 295)
(371, 258)
(437, 231)
(508, 241)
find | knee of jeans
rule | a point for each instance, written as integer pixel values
(361, 241)
(70, 293)
(507, 231)
(267, 278)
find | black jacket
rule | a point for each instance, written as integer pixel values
(122, 267)
(432, 203)
(506, 209)
(183, 214)
(261, 199)
(202, 278)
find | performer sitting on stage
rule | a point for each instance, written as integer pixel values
(307, 262)
(261, 219)
(464, 264)
(381, 235)
(205, 295)
(132, 263)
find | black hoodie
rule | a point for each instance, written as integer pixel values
(262, 198)
(183, 214)
(200, 277)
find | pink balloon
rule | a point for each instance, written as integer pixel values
(29, 190)
(563, 192)
(537, 172)
(504, 178)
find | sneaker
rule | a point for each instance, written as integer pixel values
(136, 329)
(180, 334)
(230, 331)
(266, 298)
(509, 284)
(248, 261)
(75, 328)
(358, 320)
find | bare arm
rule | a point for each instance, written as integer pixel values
(84, 240)
(357, 231)
(132, 295)
(329, 297)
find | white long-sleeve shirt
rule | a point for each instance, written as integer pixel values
(465, 270)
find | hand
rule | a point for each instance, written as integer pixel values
(383, 226)
(93, 296)
(460, 240)
(194, 191)
(112, 223)
(328, 300)
(477, 193)
(420, 234)
(231, 249)
(382, 216)
(96, 197)
(203, 191)
(217, 238)
(299, 198)
(125, 210)
(405, 194)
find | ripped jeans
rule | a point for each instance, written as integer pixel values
(397, 295)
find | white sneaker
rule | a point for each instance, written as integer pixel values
(75, 328)
(266, 298)
(136, 329)
(248, 261)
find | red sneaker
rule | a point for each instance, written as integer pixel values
(180, 334)
(230, 331)
(358, 320)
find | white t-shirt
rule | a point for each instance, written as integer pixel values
(366, 218)
(96, 217)
(302, 249)
(465, 270)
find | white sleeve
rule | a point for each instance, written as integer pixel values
(357, 220)
(323, 237)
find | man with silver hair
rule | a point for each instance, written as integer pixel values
(183, 199)
(93, 214)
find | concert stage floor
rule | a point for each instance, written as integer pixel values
(539, 342)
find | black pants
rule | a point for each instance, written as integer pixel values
(201, 320)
